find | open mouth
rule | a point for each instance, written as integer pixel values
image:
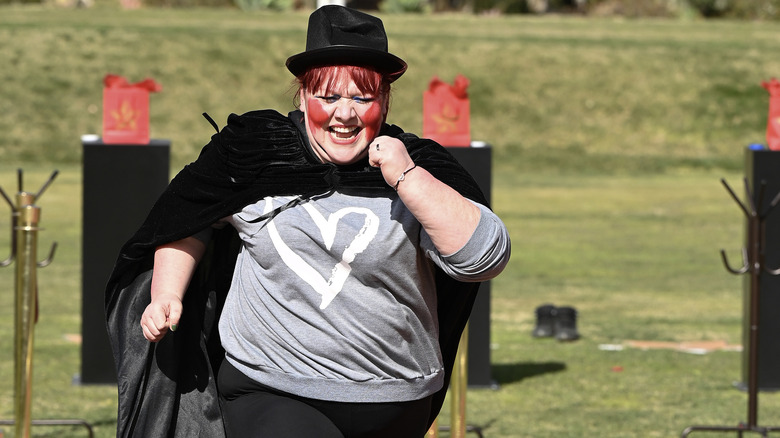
(344, 132)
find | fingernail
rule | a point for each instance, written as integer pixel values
(173, 327)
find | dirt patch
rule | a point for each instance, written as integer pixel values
(696, 347)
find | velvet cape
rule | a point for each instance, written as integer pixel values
(168, 389)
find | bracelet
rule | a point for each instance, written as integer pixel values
(403, 177)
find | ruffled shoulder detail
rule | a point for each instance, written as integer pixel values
(248, 145)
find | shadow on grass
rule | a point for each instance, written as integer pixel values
(515, 372)
(64, 427)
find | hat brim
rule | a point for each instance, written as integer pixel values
(383, 62)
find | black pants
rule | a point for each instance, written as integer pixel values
(254, 410)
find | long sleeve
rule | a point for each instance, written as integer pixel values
(483, 257)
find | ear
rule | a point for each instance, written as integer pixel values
(302, 100)
(385, 108)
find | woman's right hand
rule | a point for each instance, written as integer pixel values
(161, 315)
(174, 264)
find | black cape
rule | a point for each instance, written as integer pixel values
(168, 389)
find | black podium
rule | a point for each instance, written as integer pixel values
(477, 160)
(762, 167)
(120, 185)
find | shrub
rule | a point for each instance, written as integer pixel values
(188, 3)
(274, 5)
(755, 9)
(711, 8)
(737, 9)
(402, 6)
(633, 8)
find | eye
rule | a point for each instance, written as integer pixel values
(329, 99)
(363, 100)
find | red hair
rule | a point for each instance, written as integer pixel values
(327, 78)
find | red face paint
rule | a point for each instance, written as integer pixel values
(373, 118)
(315, 113)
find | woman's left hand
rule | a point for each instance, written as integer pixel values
(390, 156)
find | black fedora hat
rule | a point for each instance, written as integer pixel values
(342, 36)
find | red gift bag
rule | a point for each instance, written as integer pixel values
(126, 110)
(446, 112)
(773, 122)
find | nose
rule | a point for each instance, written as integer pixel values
(345, 109)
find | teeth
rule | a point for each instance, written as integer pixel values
(343, 130)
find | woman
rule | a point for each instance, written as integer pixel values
(334, 318)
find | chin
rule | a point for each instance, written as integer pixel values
(345, 155)
(343, 161)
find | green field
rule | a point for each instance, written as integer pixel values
(609, 139)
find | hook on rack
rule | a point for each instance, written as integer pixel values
(47, 183)
(736, 198)
(25, 199)
(14, 215)
(47, 261)
(756, 228)
(745, 265)
(772, 205)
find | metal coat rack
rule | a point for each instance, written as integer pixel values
(753, 264)
(25, 216)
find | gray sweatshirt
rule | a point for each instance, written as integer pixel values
(334, 299)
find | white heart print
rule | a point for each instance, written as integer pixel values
(331, 287)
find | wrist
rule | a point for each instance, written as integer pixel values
(166, 296)
(402, 177)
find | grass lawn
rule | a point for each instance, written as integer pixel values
(609, 137)
(638, 257)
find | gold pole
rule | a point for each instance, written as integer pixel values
(433, 432)
(457, 389)
(25, 217)
(458, 386)
(26, 296)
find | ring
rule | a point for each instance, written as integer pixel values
(377, 146)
